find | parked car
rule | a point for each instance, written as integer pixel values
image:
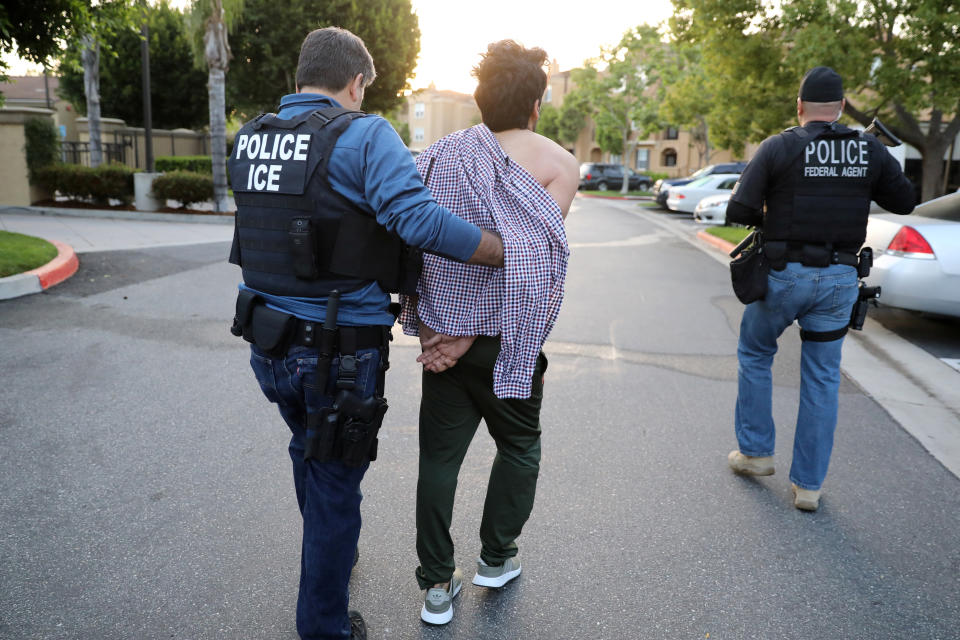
(598, 176)
(661, 187)
(688, 196)
(712, 209)
(917, 257)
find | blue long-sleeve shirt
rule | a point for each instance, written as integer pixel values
(372, 168)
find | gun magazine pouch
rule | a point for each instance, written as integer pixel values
(269, 329)
(346, 432)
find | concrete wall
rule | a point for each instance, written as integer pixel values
(14, 186)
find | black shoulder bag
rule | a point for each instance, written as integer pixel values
(749, 269)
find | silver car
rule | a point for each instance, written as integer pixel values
(917, 257)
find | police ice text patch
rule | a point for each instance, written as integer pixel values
(836, 158)
(275, 162)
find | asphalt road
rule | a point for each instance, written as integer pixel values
(145, 490)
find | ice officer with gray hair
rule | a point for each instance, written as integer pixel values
(809, 190)
(331, 216)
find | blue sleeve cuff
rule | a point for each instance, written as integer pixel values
(459, 238)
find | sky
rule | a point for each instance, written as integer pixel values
(454, 33)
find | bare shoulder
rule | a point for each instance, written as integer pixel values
(564, 162)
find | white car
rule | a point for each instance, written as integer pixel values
(712, 210)
(917, 257)
(687, 197)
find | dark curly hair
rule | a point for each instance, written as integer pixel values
(511, 80)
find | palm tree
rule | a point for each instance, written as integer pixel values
(90, 56)
(209, 21)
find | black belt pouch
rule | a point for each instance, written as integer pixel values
(272, 330)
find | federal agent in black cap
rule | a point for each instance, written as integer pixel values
(809, 190)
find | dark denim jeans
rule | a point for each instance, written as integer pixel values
(821, 299)
(328, 493)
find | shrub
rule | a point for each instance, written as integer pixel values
(85, 183)
(655, 175)
(42, 145)
(196, 164)
(185, 187)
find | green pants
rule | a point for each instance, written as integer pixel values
(451, 407)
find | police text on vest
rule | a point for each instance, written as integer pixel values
(836, 158)
(287, 147)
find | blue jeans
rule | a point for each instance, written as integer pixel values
(328, 493)
(821, 299)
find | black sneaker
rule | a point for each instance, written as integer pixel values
(358, 628)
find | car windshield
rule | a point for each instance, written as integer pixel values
(702, 172)
(699, 182)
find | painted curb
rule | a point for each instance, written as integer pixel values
(719, 243)
(43, 277)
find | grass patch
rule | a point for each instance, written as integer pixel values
(616, 194)
(730, 234)
(19, 253)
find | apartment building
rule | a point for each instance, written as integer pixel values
(433, 113)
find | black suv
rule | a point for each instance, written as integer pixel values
(598, 176)
(662, 186)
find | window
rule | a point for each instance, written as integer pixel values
(547, 97)
(419, 109)
(614, 158)
(669, 158)
(418, 134)
(727, 184)
(672, 134)
(643, 159)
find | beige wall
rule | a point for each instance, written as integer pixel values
(14, 187)
(176, 142)
(443, 113)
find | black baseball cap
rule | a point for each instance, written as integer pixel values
(821, 84)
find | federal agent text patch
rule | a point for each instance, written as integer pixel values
(836, 158)
(275, 162)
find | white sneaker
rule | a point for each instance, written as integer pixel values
(496, 577)
(438, 602)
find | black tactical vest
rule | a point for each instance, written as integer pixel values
(294, 235)
(823, 195)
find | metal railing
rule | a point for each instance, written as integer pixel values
(79, 152)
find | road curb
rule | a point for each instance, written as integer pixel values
(593, 195)
(717, 242)
(43, 277)
(121, 215)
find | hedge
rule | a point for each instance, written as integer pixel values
(42, 145)
(196, 164)
(100, 184)
(185, 187)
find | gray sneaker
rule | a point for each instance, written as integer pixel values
(438, 603)
(496, 577)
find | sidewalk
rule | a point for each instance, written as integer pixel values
(82, 231)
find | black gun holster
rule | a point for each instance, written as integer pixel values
(347, 431)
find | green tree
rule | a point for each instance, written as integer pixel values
(686, 101)
(549, 123)
(177, 88)
(38, 29)
(267, 45)
(573, 117)
(621, 96)
(899, 60)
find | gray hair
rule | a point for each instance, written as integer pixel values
(330, 58)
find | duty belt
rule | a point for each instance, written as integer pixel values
(833, 257)
(307, 334)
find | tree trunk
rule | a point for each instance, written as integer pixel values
(625, 187)
(218, 138)
(931, 183)
(706, 141)
(90, 55)
(217, 53)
